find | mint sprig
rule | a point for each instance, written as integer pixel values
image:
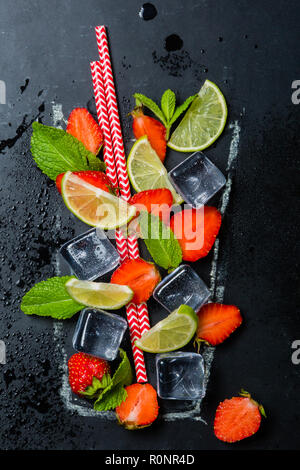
(50, 299)
(55, 151)
(114, 393)
(160, 241)
(168, 113)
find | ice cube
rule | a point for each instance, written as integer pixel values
(99, 333)
(182, 286)
(180, 376)
(197, 179)
(90, 255)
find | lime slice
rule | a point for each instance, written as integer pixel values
(203, 122)
(93, 205)
(173, 332)
(99, 294)
(146, 170)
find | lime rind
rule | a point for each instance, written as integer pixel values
(99, 294)
(210, 108)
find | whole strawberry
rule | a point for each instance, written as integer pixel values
(238, 418)
(86, 374)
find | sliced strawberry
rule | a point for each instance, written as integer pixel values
(86, 373)
(156, 201)
(139, 275)
(95, 178)
(140, 408)
(153, 129)
(83, 126)
(216, 322)
(196, 231)
(237, 418)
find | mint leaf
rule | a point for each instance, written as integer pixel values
(160, 241)
(111, 399)
(168, 101)
(50, 299)
(113, 395)
(180, 109)
(150, 104)
(55, 151)
(92, 390)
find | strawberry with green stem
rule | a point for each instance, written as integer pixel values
(238, 418)
(87, 374)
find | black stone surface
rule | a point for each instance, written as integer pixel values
(251, 50)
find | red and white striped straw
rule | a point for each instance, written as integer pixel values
(120, 159)
(131, 311)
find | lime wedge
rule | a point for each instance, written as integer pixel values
(146, 170)
(93, 205)
(173, 332)
(99, 294)
(203, 122)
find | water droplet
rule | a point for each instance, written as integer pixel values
(147, 12)
(173, 43)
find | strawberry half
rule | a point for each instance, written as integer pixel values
(153, 129)
(83, 126)
(216, 322)
(139, 275)
(86, 373)
(156, 201)
(196, 231)
(238, 418)
(95, 178)
(140, 408)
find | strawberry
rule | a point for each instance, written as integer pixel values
(196, 231)
(139, 275)
(156, 201)
(86, 373)
(83, 126)
(153, 129)
(140, 408)
(238, 418)
(95, 178)
(216, 322)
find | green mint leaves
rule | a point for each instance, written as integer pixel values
(55, 151)
(168, 113)
(114, 393)
(160, 241)
(50, 299)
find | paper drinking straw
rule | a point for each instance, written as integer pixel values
(118, 146)
(131, 311)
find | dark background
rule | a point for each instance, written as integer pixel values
(251, 50)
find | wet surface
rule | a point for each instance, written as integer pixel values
(249, 51)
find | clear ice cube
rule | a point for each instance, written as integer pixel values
(99, 333)
(182, 286)
(197, 179)
(90, 255)
(180, 376)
